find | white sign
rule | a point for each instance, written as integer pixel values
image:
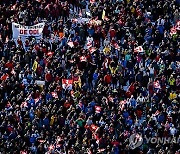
(26, 31)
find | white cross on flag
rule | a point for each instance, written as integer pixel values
(92, 1)
(83, 59)
(139, 49)
(92, 49)
(97, 109)
(173, 31)
(36, 100)
(24, 104)
(51, 147)
(71, 44)
(178, 25)
(54, 94)
(157, 85)
(67, 84)
(50, 53)
(89, 44)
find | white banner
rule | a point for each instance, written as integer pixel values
(27, 31)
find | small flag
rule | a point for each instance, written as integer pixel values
(115, 45)
(74, 20)
(36, 100)
(13, 72)
(83, 59)
(97, 109)
(178, 25)
(13, 7)
(71, 44)
(173, 31)
(157, 85)
(23, 152)
(50, 53)
(92, 1)
(89, 44)
(92, 49)
(24, 104)
(157, 113)
(81, 105)
(54, 94)
(93, 127)
(139, 49)
(4, 77)
(67, 84)
(51, 147)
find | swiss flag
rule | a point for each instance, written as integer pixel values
(67, 84)
(173, 31)
(24, 104)
(97, 109)
(50, 53)
(92, 49)
(23, 152)
(92, 1)
(13, 72)
(157, 113)
(54, 94)
(93, 127)
(89, 44)
(36, 100)
(157, 85)
(13, 7)
(139, 49)
(116, 46)
(178, 25)
(122, 104)
(71, 44)
(83, 59)
(4, 77)
(51, 147)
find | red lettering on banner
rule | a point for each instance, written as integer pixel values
(21, 31)
(33, 32)
(25, 32)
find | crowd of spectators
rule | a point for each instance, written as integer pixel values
(126, 82)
